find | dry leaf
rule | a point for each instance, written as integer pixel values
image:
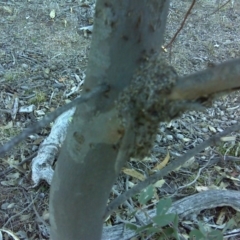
(8, 126)
(147, 159)
(11, 205)
(228, 138)
(221, 217)
(52, 14)
(230, 177)
(45, 215)
(25, 217)
(8, 183)
(15, 106)
(163, 163)
(212, 129)
(130, 184)
(14, 175)
(87, 29)
(6, 9)
(189, 162)
(134, 173)
(202, 188)
(10, 233)
(217, 168)
(223, 185)
(65, 22)
(225, 175)
(159, 183)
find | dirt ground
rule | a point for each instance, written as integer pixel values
(43, 58)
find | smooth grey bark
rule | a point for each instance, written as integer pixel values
(125, 33)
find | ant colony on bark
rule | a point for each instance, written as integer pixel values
(144, 103)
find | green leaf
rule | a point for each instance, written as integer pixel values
(146, 194)
(152, 230)
(175, 227)
(175, 221)
(166, 233)
(131, 226)
(146, 227)
(163, 206)
(215, 234)
(202, 229)
(132, 214)
(163, 220)
(230, 225)
(196, 235)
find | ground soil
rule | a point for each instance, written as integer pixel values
(43, 58)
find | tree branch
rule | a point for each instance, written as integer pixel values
(51, 117)
(182, 24)
(219, 79)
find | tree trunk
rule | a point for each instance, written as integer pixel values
(125, 32)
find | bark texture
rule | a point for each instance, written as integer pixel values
(125, 33)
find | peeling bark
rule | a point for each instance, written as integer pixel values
(49, 149)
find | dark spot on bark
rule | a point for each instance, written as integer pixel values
(125, 38)
(113, 24)
(107, 92)
(97, 13)
(79, 137)
(139, 39)
(121, 131)
(152, 51)
(151, 28)
(138, 21)
(106, 95)
(77, 147)
(91, 145)
(107, 4)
